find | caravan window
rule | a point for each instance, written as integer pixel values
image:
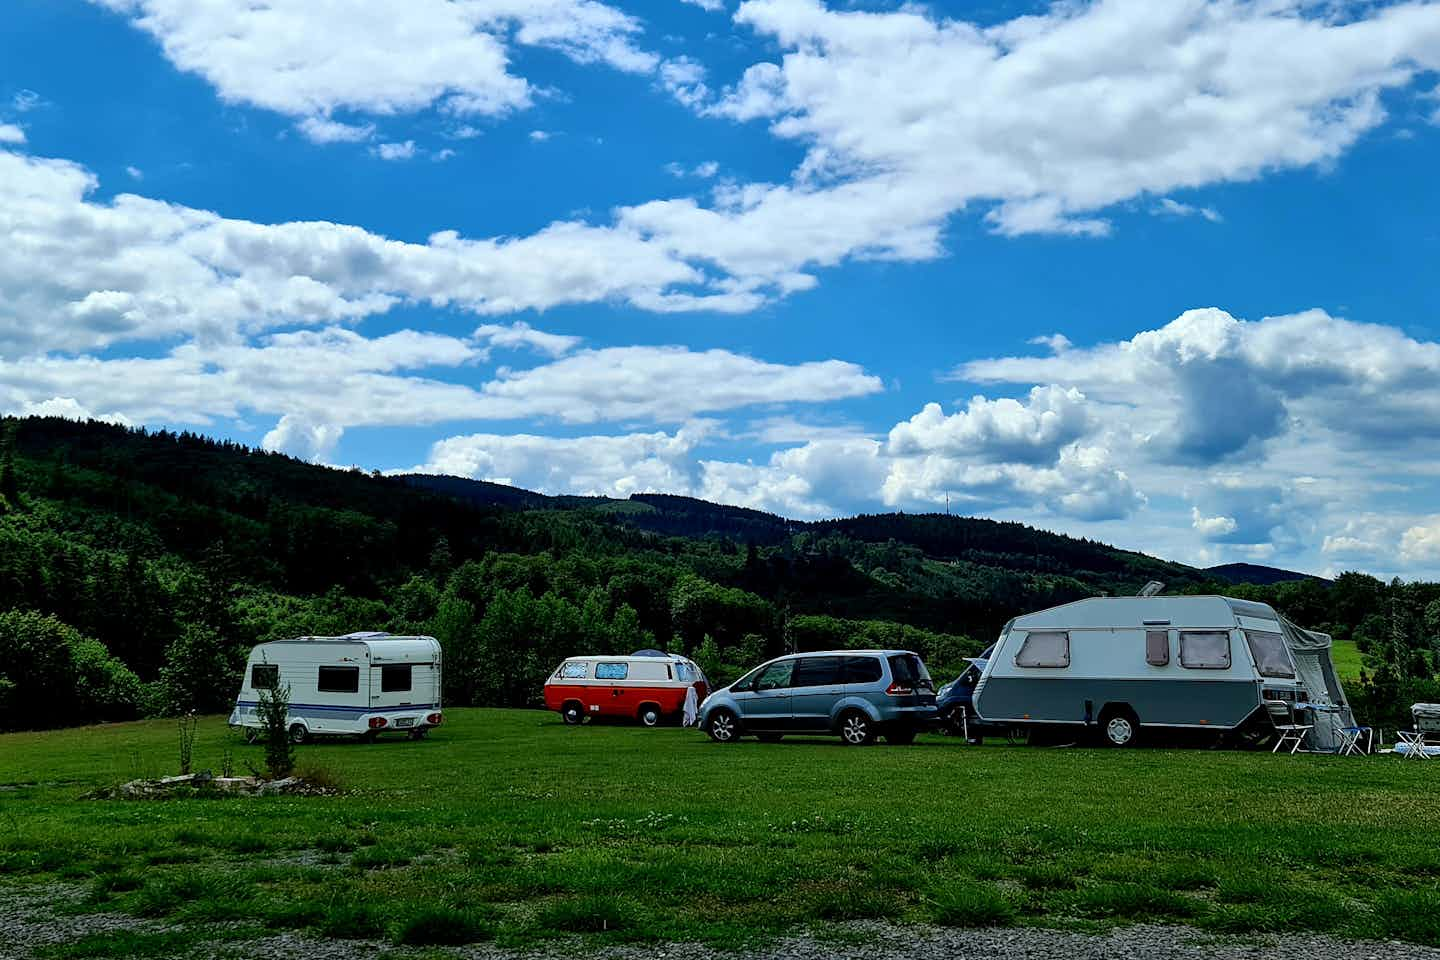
(1047, 648)
(1271, 655)
(1157, 647)
(612, 671)
(1205, 649)
(338, 680)
(575, 670)
(395, 678)
(264, 676)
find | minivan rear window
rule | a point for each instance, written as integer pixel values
(818, 672)
(908, 671)
(862, 670)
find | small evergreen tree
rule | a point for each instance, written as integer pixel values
(274, 712)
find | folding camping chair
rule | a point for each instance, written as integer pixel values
(1283, 716)
(1349, 741)
(1427, 728)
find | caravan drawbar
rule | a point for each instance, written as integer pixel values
(1121, 664)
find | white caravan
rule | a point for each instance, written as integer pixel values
(1121, 664)
(361, 684)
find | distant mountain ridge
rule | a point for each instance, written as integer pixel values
(1257, 574)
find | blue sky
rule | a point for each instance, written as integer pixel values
(807, 257)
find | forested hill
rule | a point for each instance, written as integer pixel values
(136, 568)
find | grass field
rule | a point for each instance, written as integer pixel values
(1346, 657)
(507, 825)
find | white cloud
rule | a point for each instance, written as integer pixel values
(684, 79)
(997, 430)
(395, 151)
(714, 6)
(521, 334)
(440, 156)
(11, 134)
(540, 136)
(1212, 527)
(26, 100)
(300, 438)
(1421, 543)
(135, 173)
(704, 170)
(307, 59)
(326, 130)
(70, 409)
(1174, 208)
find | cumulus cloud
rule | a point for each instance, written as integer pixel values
(1174, 208)
(521, 334)
(326, 130)
(1003, 429)
(301, 438)
(1421, 543)
(11, 134)
(1211, 527)
(307, 59)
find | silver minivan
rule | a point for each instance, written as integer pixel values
(857, 694)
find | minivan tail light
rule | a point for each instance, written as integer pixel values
(899, 690)
(377, 722)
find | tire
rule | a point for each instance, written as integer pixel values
(573, 714)
(1119, 727)
(723, 726)
(900, 738)
(650, 715)
(856, 729)
(769, 737)
(298, 733)
(252, 735)
(419, 734)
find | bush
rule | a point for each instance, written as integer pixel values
(970, 905)
(52, 675)
(274, 711)
(446, 926)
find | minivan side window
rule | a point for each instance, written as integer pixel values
(862, 670)
(1157, 647)
(776, 676)
(395, 678)
(1044, 648)
(338, 680)
(574, 671)
(612, 671)
(1205, 649)
(264, 676)
(1271, 654)
(818, 672)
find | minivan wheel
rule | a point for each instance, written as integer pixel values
(298, 733)
(856, 730)
(650, 716)
(572, 714)
(1120, 728)
(723, 726)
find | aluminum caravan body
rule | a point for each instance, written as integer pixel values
(360, 684)
(1121, 664)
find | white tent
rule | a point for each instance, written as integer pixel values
(1311, 651)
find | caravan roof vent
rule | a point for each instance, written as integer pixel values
(1151, 588)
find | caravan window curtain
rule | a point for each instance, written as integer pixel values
(1205, 649)
(1047, 648)
(1271, 655)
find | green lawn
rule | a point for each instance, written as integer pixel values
(508, 825)
(1346, 657)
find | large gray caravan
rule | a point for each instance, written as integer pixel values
(1121, 664)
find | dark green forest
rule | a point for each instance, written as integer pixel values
(137, 568)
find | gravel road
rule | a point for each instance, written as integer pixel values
(35, 917)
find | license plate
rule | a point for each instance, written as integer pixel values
(405, 722)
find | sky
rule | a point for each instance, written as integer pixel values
(1162, 275)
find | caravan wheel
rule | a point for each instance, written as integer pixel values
(298, 733)
(252, 735)
(1120, 727)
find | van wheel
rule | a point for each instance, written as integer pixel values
(900, 738)
(572, 714)
(856, 730)
(650, 715)
(1119, 727)
(298, 733)
(723, 726)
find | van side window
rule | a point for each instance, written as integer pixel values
(575, 671)
(1044, 648)
(338, 680)
(1157, 647)
(395, 678)
(818, 672)
(1271, 654)
(1205, 649)
(264, 676)
(684, 673)
(862, 670)
(612, 671)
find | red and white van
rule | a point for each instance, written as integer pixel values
(647, 686)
